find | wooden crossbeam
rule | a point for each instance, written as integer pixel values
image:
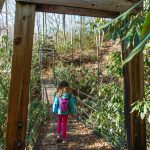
(76, 11)
(106, 5)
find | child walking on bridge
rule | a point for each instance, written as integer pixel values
(63, 105)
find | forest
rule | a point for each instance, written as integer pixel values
(87, 54)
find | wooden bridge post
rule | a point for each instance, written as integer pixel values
(134, 90)
(20, 76)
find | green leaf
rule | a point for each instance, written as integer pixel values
(146, 24)
(137, 49)
(142, 115)
(115, 35)
(145, 109)
(133, 109)
(148, 118)
(135, 106)
(136, 39)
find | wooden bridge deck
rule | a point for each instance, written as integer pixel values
(79, 138)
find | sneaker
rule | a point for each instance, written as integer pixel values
(58, 139)
(64, 141)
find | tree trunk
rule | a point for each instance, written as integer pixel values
(57, 21)
(1, 4)
(71, 37)
(64, 27)
(80, 35)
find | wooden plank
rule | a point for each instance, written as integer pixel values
(20, 76)
(108, 5)
(134, 90)
(76, 11)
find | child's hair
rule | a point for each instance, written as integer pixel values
(63, 87)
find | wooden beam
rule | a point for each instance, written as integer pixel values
(20, 76)
(133, 91)
(108, 5)
(76, 11)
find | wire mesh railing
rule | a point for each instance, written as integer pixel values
(4, 79)
(148, 134)
(102, 120)
(90, 115)
(5, 67)
(37, 114)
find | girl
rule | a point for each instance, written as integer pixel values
(63, 105)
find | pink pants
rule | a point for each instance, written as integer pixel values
(62, 125)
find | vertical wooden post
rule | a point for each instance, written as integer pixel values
(134, 90)
(20, 76)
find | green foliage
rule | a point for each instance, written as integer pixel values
(146, 25)
(5, 59)
(35, 87)
(110, 117)
(83, 79)
(143, 109)
(147, 65)
(115, 68)
(65, 73)
(46, 42)
(137, 49)
(145, 38)
(38, 109)
(121, 17)
(107, 116)
(64, 48)
(128, 28)
(87, 79)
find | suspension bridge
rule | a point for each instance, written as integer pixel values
(38, 131)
